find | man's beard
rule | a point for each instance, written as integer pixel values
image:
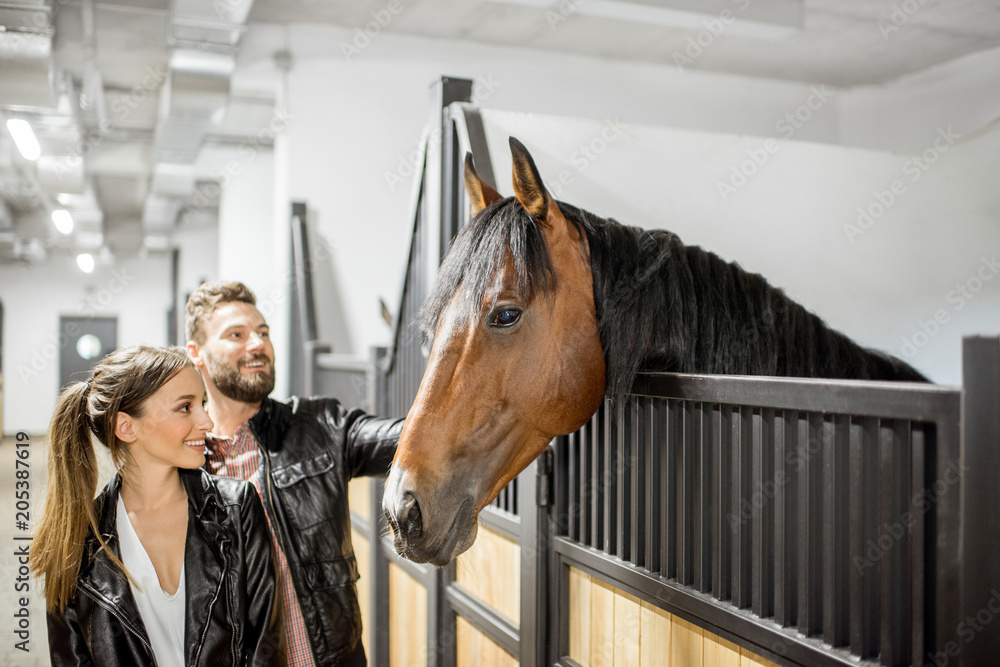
(234, 385)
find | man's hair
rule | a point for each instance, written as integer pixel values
(206, 299)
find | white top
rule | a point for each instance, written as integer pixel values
(162, 614)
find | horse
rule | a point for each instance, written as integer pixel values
(540, 311)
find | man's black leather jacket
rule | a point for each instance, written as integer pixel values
(229, 591)
(313, 447)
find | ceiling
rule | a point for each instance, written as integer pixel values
(128, 97)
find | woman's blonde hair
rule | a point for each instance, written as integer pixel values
(122, 382)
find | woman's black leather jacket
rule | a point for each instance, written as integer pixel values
(230, 587)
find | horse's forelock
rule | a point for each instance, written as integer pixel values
(502, 234)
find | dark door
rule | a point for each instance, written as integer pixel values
(87, 341)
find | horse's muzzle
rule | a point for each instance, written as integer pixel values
(424, 532)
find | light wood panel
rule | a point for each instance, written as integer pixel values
(474, 649)
(359, 496)
(610, 628)
(491, 570)
(407, 620)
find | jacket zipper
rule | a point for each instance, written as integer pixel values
(96, 597)
(204, 631)
(234, 636)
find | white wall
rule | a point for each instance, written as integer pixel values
(904, 116)
(789, 210)
(354, 127)
(136, 291)
(354, 124)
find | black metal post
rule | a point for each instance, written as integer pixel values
(978, 632)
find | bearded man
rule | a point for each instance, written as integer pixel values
(300, 456)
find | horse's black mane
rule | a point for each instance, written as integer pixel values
(661, 305)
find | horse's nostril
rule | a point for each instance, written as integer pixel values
(410, 517)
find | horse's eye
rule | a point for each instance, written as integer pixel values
(505, 317)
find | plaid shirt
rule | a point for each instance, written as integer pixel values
(240, 457)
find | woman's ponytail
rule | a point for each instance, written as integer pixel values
(69, 506)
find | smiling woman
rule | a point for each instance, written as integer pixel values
(167, 550)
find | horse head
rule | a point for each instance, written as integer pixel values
(516, 360)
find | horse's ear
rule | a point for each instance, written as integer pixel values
(528, 186)
(480, 193)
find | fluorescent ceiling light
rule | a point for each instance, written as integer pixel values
(761, 19)
(63, 220)
(86, 262)
(24, 138)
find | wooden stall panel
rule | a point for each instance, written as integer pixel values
(654, 644)
(491, 570)
(407, 620)
(610, 628)
(362, 552)
(359, 495)
(579, 618)
(474, 649)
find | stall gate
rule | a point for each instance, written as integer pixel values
(702, 519)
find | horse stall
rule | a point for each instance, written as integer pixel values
(700, 520)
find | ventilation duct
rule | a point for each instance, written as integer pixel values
(26, 54)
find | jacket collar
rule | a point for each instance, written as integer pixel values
(270, 423)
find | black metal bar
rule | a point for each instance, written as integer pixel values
(505, 523)
(653, 451)
(303, 271)
(836, 538)
(379, 584)
(477, 142)
(534, 541)
(596, 481)
(623, 477)
(742, 506)
(722, 472)
(981, 494)
(482, 617)
(786, 519)
(668, 533)
(864, 580)
(918, 536)
(558, 602)
(685, 492)
(637, 545)
(810, 525)
(586, 485)
(765, 486)
(704, 507)
(918, 402)
(451, 90)
(893, 542)
(609, 481)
